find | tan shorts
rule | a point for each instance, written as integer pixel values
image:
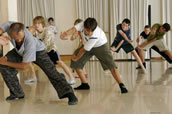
(160, 44)
(102, 53)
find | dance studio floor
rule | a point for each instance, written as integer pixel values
(148, 93)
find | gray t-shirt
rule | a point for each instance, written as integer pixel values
(30, 45)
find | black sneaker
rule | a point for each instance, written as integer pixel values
(123, 88)
(139, 67)
(72, 99)
(83, 86)
(144, 64)
(11, 97)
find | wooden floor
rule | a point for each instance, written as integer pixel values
(148, 93)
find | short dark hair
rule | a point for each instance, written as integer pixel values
(16, 27)
(127, 21)
(166, 26)
(90, 23)
(50, 19)
(147, 26)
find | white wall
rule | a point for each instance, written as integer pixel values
(65, 13)
(12, 16)
(3, 11)
(12, 10)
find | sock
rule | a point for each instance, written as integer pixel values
(83, 86)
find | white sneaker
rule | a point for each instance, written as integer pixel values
(30, 80)
(71, 81)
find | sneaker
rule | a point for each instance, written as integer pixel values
(11, 97)
(83, 86)
(139, 67)
(72, 98)
(123, 88)
(71, 81)
(30, 80)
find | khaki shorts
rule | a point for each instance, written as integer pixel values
(160, 44)
(102, 53)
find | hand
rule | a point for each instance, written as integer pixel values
(72, 38)
(130, 41)
(138, 40)
(142, 45)
(63, 35)
(113, 48)
(74, 58)
(3, 60)
(4, 40)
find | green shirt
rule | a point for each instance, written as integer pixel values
(158, 35)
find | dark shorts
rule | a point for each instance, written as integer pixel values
(126, 47)
(54, 56)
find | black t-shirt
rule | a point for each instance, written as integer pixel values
(143, 35)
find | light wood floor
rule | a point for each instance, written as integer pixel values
(148, 93)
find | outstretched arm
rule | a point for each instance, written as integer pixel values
(125, 36)
(64, 35)
(146, 43)
(80, 54)
(22, 66)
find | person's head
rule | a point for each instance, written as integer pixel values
(90, 25)
(147, 29)
(77, 21)
(17, 32)
(51, 21)
(39, 23)
(125, 24)
(165, 27)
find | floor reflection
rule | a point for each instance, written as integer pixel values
(148, 93)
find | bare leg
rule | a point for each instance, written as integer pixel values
(84, 85)
(32, 73)
(67, 71)
(140, 51)
(80, 72)
(116, 75)
(32, 70)
(65, 68)
(138, 60)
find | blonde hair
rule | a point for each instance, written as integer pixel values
(39, 19)
(77, 21)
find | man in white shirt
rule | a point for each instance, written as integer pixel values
(94, 43)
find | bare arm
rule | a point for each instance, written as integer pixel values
(116, 48)
(146, 43)
(1, 31)
(64, 35)
(80, 54)
(22, 66)
(125, 36)
(74, 36)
